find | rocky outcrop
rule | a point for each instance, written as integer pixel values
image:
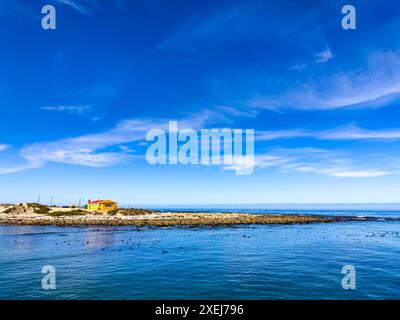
(161, 219)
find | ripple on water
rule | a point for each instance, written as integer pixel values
(244, 262)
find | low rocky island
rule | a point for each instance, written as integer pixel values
(37, 214)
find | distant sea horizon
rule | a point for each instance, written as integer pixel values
(282, 206)
(387, 210)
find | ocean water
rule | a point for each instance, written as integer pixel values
(375, 210)
(242, 262)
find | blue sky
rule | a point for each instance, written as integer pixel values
(76, 102)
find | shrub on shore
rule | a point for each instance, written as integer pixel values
(134, 212)
(77, 212)
(113, 212)
(39, 208)
(9, 210)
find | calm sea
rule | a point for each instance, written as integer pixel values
(243, 262)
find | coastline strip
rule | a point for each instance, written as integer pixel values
(174, 219)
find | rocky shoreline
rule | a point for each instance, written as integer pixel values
(161, 219)
(34, 214)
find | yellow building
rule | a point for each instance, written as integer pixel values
(102, 205)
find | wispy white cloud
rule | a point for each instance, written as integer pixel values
(299, 67)
(12, 162)
(317, 161)
(113, 147)
(324, 56)
(79, 110)
(94, 150)
(90, 150)
(374, 85)
(3, 147)
(264, 135)
(346, 173)
(228, 17)
(351, 132)
(15, 168)
(321, 57)
(82, 6)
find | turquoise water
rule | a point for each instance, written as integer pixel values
(243, 262)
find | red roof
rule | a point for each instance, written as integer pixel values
(101, 201)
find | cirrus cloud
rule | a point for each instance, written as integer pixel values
(374, 85)
(78, 110)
